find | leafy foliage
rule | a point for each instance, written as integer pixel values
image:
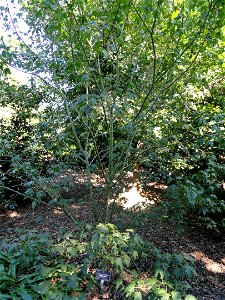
(32, 267)
(195, 164)
(107, 76)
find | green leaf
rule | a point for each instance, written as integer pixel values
(161, 273)
(41, 287)
(3, 296)
(135, 254)
(141, 283)
(6, 278)
(45, 271)
(72, 251)
(34, 204)
(105, 53)
(95, 237)
(23, 294)
(29, 278)
(12, 270)
(126, 260)
(175, 14)
(130, 289)
(138, 239)
(1, 268)
(119, 263)
(84, 269)
(189, 270)
(176, 295)
(177, 272)
(59, 249)
(190, 297)
(134, 273)
(137, 296)
(72, 282)
(86, 108)
(119, 282)
(166, 296)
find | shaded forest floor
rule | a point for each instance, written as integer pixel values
(207, 248)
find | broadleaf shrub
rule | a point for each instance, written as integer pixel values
(34, 267)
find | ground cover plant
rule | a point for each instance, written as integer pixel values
(33, 267)
(121, 94)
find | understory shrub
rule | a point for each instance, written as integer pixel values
(32, 266)
(193, 200)
(192, 151)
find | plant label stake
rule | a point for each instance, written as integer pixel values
(103, 277)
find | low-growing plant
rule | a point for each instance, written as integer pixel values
(34, 267)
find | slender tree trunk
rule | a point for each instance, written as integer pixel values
(137, 177)
(137, 170)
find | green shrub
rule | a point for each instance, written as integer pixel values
(194, 199)
(34, 267)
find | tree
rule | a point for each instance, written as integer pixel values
(108, 66)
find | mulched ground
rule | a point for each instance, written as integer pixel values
(207, 248)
